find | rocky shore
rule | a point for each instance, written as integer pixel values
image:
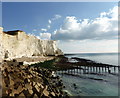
(20, 80)
(37, 79)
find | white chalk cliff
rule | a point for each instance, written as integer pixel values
(17, 44)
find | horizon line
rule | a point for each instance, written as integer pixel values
(91, 52)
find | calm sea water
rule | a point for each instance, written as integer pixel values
(89, 87)
(107, 58)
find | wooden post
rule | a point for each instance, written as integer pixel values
(99, 69)
(96, 69)
(85, 69)
(90, 69)
(93, 69)
(114, 69)
(109, 71)
(80, 70)
(62, 72)
(68, 71)
(102, 69)
(77, 69)
(105, 68)
(108, 68)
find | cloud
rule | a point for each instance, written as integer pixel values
(48, 26)
(44, 30)
(45, 36)
(38, 37)
(33, 34)
(56, 17)
(89, 46)
(103, 27)
(34, 30)
(49, 21)
(53, 19)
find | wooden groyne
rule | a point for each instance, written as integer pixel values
(90, 69)
(85, 66)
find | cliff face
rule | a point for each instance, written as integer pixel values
(18, 43)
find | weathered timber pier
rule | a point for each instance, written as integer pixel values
(85, 66)
(90, 69)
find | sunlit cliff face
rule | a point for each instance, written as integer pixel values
(18, 43)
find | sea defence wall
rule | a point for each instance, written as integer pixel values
(14, 44)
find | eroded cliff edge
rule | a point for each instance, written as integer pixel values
(14, 44)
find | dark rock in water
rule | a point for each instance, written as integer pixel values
(60, 96)
(75, 86)
(59, 84)
(58, 77)
(63, 86)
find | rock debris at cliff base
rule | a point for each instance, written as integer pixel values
(24, 81)
(17, 51)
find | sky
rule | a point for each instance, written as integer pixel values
(78, 27)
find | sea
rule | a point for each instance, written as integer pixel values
(82, 85)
